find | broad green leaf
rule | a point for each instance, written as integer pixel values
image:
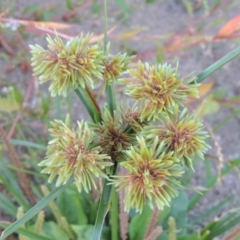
(179, 211)
(164, 213)
(190, 237)
(33, 211)
(142, 220)
(52, 230)
(163, 236)
(70, 205)
(85, 232)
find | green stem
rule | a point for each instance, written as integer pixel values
(110, 98)
(105, 200)
(114, 216)
(103, 207)
(109, 88)
(90, 105)
(218, 64)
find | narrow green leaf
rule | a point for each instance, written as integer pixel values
(103, 209)
(214, 209)
(110, 98)
(88, 104)
(33, 211)
(218, 64)
(222, 229)
(12, 185)
(109, 87)
(26, 232)
(26, 144)
(216, 223)
(114, 216)
(70, 205)
(209, 184)
(7, 205)
(136, 232)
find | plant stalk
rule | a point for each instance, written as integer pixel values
(89, 103)
(104, 206)
(218, 64)
(114, 215)
(103, 209)
(109, 89)
(110, 98)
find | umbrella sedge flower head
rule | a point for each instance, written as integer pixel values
(69, 155)
(131, 116)
(73, 64)
(112, 136)
(115, 66)
(182, 133)
(158, 88)
(152, 176)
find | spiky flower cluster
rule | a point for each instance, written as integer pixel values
(182, 133)
(112, 135)
(153, 139)
(158, 88)
(115, 66)
(152, 176)
(70, 155)
(74, 64)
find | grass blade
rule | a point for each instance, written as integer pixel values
(208, 212)
(212, 182)
(218, 64)
(11, 184)
(7, 205)
(26, 232)
(33, 211)
(26, 144)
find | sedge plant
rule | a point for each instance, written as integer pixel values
(153, 138)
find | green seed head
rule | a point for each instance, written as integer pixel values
(158, 88)
(115, 66)
(152, 176)
(71, 65)
(70, 155)
(182, 133)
